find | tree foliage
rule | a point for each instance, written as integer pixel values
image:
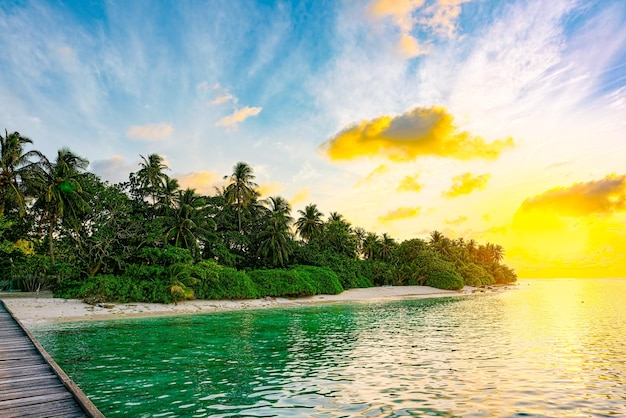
(148, 240)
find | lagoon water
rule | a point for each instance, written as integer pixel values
(546, 348)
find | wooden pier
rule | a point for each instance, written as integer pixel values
(31, 383)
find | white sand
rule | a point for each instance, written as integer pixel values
(38, 310)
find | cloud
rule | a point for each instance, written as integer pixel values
(270, 189)
(203, 181)
(400, 213)
(456, 221)
(238, 116)
(597, 197)
(225, 98)
(422, 131)
(409, 184)
(444, 16)
(411, 47)
(573, 231)
(439, 18)
(154, 132)
(205, 86)
(300, 196)
(466, 183)
(115, 169)
(378, 171)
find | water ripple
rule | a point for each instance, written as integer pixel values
(522, 353)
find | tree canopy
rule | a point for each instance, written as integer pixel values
(148, 239)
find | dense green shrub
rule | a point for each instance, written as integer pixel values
(281, 283)
(102, 288)
(475, 275)
(323, 280)
(444, 279)
(217, 282)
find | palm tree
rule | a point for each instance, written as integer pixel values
(387, 244)
(151, 177)
(59, 194)
(471, 247)
(276, 239)
(436, 237)
(276, 242)
(15, 165)
(309, 225)
(338, 235)
(496, 252)
(371, 243)
(440, 243)
(335, 217)
(279, 207)
(187, 222)
(241, 190)
(168, 193)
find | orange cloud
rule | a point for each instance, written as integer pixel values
(409, 184)
(203, 181)
(239, 116)
(300, 196)
(399, 10)
(439, 17)
(410, 47)
(400, 213)
(466, 183)
(601, 197)
(269, 189)
(155, 132)
(457, 221)
(225, 98)
(422, 131)
(573, 231)
(380, 170)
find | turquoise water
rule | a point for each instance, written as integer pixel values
(546, 348)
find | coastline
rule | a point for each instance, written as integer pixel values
(32, 311)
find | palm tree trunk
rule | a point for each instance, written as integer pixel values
(50, 242)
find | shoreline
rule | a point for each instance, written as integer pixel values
(32, 311)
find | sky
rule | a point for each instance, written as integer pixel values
(499, 121)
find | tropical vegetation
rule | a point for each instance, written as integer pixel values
(146, 239)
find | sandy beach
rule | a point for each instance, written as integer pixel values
(46, 309)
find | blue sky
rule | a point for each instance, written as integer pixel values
(395, 113)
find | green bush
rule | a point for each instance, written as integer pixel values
(217, 282)
(444, 279)
(362, 282)
(281, 283)
(475, 275)
(102, 288)
(323, 280)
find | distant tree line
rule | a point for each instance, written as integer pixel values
(147, 239)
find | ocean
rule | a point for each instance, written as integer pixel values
(546, 348)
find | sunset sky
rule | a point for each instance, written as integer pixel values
(501, 121)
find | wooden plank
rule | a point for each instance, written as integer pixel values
(25, 381)
(33, 370)
(31, 383)
(34, 400)
(32, 392)
(64, 409)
